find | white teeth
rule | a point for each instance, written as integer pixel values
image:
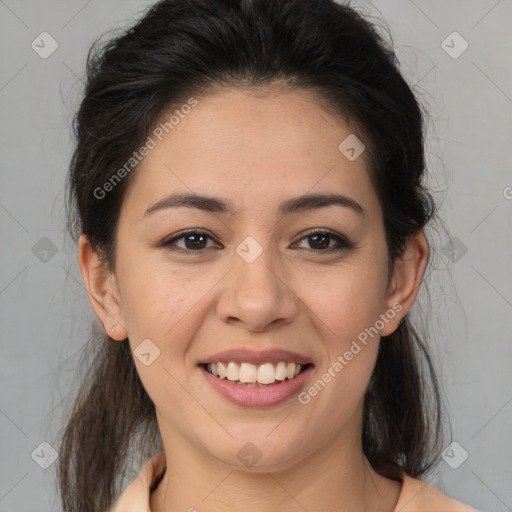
(233, 371)
(249, 373)
(212, 369)
(266, 373)
(281, 371)
(221, 369)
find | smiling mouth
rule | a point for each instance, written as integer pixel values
(251, 375)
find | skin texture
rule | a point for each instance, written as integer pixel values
(256, 150)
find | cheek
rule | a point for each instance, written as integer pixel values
(350, 348)
(346, 306)
(347, 299)
(165, 304)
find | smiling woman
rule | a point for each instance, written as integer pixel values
(255, 269)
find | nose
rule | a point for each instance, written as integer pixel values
(258, 294)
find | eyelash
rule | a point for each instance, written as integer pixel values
(343, 242)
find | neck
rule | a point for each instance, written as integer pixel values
(335, 477)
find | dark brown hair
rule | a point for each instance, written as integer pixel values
(180, 49)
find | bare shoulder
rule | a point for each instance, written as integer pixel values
(418, 495)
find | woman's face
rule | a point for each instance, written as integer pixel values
(259, 275)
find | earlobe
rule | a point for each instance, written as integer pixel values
(405, 284)
(101, 288)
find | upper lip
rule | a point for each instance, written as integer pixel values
(243, 355)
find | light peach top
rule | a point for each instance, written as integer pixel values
(416, 495)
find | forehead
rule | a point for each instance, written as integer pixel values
(251, 145)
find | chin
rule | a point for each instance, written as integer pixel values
(256, 452)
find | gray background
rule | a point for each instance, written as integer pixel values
(45, 315)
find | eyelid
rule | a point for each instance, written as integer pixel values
(181, 234)
(323, 231)
(343, 242)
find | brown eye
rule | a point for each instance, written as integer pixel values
(320, 241)
(193, 241)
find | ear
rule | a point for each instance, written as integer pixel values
(407, 276)
(102, 290)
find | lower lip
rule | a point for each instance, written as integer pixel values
(255, 396)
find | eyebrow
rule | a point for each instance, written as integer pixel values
(217, 205)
